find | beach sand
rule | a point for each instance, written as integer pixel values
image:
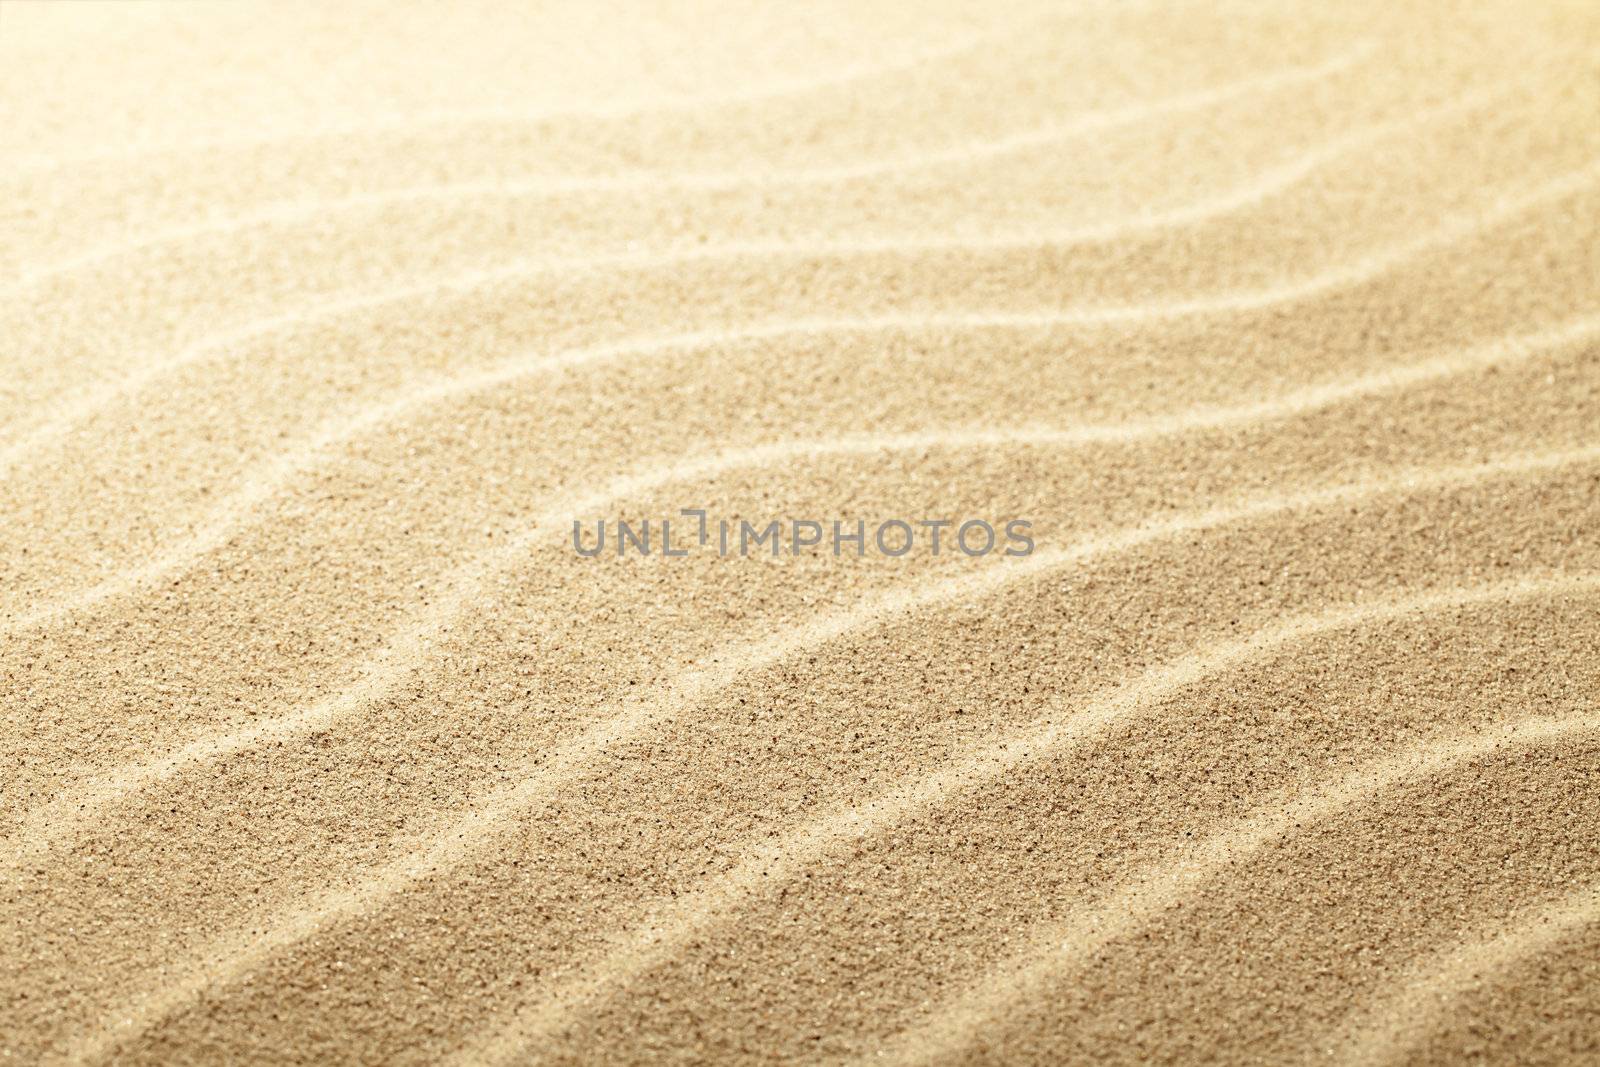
(322, 324)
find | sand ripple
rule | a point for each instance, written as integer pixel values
(1281, 324)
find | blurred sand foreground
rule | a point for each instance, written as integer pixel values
(321, 323)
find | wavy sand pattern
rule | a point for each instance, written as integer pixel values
(1281, 323)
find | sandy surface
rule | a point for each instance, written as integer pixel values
(322, 323)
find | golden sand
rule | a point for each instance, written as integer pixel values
(322, 324)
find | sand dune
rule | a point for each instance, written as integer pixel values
(1279, 324)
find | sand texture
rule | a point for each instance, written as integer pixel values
(320, 324)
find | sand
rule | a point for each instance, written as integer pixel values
(1278, 323)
